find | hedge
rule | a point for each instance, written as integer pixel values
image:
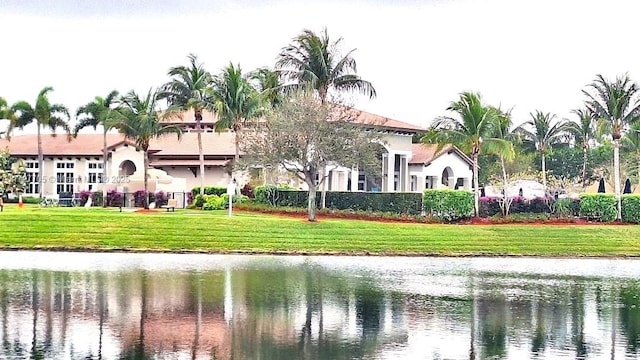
(631, 208)
(448, 205)
(490, 206)
(599, 207)
(209, 190)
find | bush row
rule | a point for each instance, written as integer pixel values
(216, 202)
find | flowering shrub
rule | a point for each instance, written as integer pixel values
(115, 198)
(161, 198)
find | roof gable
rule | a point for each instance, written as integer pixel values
(425, 154)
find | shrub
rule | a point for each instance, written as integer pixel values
(138, 198)
(247, 190)
(213, 202)
(210, 190)
(567, 207)
(115, 198)
(600, 207)
(161, 198)
(631, 208)
(490, 206)
(199, 201)
(96, 198)
(84, 197)
(266, 194)
(448, 205)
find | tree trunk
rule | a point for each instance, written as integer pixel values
(544, 172)
(506, 201)
(476, 186)
(584, 166)
(323, 194)
(40, 162)
(311, 205)
(237, 155)
(200, 155)
(638, 157)
(104, 169)
(146, 179)
(616, 175)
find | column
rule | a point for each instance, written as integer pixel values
(420, 183)
(391, 162)
(404, 172)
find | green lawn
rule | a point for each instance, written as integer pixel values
(215, 232)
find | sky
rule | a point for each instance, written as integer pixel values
(419, 55)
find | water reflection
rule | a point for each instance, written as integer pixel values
(133, 306)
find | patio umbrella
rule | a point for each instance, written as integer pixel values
(601, 186)
(627, 187)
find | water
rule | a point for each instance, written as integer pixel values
(173, 306)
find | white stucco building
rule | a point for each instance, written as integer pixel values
(76, 165)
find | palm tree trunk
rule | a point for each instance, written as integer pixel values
(40, 162)
(200, 155)
(476, 186)
(104, 169)
(616, 175)
(544, 172)
(506, 200)
(584, 166)
(237, 155)
(146, 180)
(638, 158)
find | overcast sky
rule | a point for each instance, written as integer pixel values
(419, 55)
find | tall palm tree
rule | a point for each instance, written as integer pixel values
(44, 114)
(544, 132)
(6, 113)
(472, 130)
(139, 120)
(615, 106)
(504, 130)
(631, 144)
(235, 101)
(584, 131)
(189, 90)
(269, 84)
(312, 60)
(98, 112)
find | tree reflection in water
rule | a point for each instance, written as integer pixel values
(303, 310)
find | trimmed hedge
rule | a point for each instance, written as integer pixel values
(490, 206)
(209, 190)
(631, 208)
(599, 207)
(448, 205)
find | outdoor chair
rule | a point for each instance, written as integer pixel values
(65, 199)
(171, 205)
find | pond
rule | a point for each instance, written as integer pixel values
(185, 306)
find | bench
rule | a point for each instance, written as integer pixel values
(65, 199)
(171, 205)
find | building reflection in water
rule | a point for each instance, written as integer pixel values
(272, 308)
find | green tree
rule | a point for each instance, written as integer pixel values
(584, 131)
(269, 84)
(631, 145)
(313, 61)
(235, 101)
(12, 174)
(98, 112)
(615, 106)
(504, 130)
(189, 90)
(140, 121)
(544, 133)
(472, 130)
(6, 113)
(43, 114)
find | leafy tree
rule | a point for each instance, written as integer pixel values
(584, 131)
(615, 106)
(98, 112)
(139, 120)
(503, 130)
(12, 174)
(189, 90)
(544, 133)
(235, 101)
(472, 130)
(631, 145)
(312, 60)
(269, 85)
(6, 113)
(298, 138)
(44, 114)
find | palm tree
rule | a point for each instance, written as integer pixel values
(503, 130)
(6, 113)
(189, 90)
(631, 144)
(269, 84)
(235, 101)
(44, 114)
(312, 60)
(139, 120)
(98, 112)
(472, 131)
(543, 134)
(584, 131)
(615, 106)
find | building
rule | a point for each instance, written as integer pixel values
(76, 165)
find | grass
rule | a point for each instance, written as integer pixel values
(189, 230)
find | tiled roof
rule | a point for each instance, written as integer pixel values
(426, 153)
(213, 144)
(188, 162)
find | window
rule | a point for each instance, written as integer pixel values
(414, 183)
(33, 188)
(362, 180)
(95, 174)
(65, 177)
